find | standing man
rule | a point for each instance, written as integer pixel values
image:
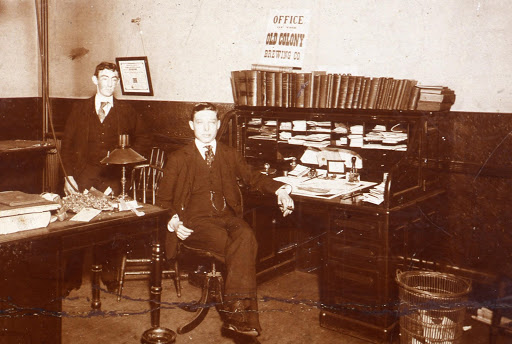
(200, 189)
(91, 131)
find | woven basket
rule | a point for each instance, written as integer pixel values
(432, 307)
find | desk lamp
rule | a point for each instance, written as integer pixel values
(123, 155)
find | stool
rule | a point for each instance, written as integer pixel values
(212, 289)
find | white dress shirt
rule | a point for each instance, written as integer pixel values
(201, 147)
(100, 99)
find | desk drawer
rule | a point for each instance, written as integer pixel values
(352, 284)
(356, 253)
(356, 226)
(115, 234)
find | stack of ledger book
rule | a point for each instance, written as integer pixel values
(434, 98)
(21, 211)
(319, 89)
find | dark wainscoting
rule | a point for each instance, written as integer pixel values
(477, 165)
(168, 121)
(21, 119)
(476, 162)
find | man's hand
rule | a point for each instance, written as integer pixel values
(285, 202)
(69, 183)
(175, 225)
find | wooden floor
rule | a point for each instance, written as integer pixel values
(288, 313)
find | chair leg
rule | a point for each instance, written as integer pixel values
(212, 292)
(122, 271)
(177, 278)
(202, 309)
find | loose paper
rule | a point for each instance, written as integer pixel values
(85, 215)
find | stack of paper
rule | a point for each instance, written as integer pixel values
(299, 125)
(356, 140)
(379, 138)
(356, 129)
(317, 126)
(285, 126)
(317, 140)
(376, 194)
(255, 121)
(340, 128)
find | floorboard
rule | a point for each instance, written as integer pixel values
(288, 314)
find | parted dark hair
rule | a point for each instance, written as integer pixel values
(201, 107)
(105, 65)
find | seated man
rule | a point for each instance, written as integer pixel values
(200, 189)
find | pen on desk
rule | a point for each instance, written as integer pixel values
(350, 195)
(309, 179)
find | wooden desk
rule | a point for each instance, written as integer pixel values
(355, 247)
(31, 270)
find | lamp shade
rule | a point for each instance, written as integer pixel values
(123, 155)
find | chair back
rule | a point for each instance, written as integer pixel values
(145, 178)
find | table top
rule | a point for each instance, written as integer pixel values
(103, 219)
(14, 146)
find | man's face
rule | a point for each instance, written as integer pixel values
(106, 82)
(205, 125)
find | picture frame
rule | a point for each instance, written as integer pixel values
(135, 76)
(335, 166)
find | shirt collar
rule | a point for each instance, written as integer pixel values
(200, 146)
(101, 98)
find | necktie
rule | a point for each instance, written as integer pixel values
(209, 155)
(101, 111)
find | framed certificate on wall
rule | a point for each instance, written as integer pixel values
(135, 77)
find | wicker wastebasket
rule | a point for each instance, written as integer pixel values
(432, 307)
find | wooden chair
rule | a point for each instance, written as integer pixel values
(211, 284)
(212, 287)
(145, 180)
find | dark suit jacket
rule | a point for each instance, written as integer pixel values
(176, 186)
(76, 132)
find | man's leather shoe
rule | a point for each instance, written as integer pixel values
(241, 328)
(238, 318)
(239, 338)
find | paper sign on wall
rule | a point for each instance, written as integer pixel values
(286, 37)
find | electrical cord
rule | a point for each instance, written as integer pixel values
(46, 100)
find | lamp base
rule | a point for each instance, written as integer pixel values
(158, 335)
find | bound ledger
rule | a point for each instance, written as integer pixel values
(21, 211)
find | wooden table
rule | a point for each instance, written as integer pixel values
(31, 273)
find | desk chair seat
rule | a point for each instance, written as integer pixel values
(212, 288)
(145, 179)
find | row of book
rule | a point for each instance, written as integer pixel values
(319, 89)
